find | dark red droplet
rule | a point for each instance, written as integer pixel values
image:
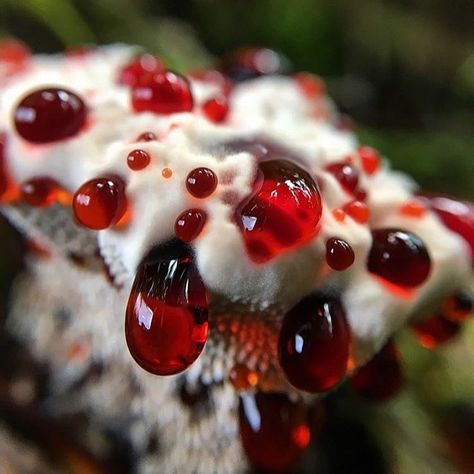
(346, 174)
(40, 191)
(166, 320)
(162, 93)
(370, 159)
(146, 137)
(435, 331)
(100, 202)
(216, 108)
(458, 307)
(49, 115)
(382, 377)
(274, 431)
(139, 66)
(138, 159)
(339, 254)
(282, 212)
(189, 224)
(399, 256)
(314, 344)
(201, 182)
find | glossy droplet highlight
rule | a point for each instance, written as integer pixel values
(382, 377)
(189, 224)
(40, 191)
(435, 331)
(282, 212)
(346, 174)
(201, 182)
(166, 320)
(139, 66)
(138, 160)
(49, 115)
(339, 254)
(100, 203)
(274, 431)
(162, 93)
(399, 256)
(216, 109)
(314, 344)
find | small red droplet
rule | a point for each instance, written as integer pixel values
(14, 51)
(242, 378)
(282, 212)
(311, 85)
(339, 254)
(339, 215)
(382, 377)
(166, 173)
(314, 344)
(216, 109)
(201, 182)
(458, 307)
(162, 93)
(39, 191)
(146, 137)
(346, 174)
(139, 66)
(138, 159)
(100, 202)
(370, 159)
(399, 256)
(189, 224)
(413, 208)
(49, 115)
(274, 431)
(435, 331)
(166, 320)
(358, 210)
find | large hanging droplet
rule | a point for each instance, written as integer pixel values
(166, 320)
(283, 211)
(274, 430)
(314, 344)
(399, 256)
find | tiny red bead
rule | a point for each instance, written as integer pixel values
(143, 64)
(274, 431)
(346, 174)
(49, 115)
(358, 210)
(138, 159)
(189, 224)
(100, 202)
(381, 378)
(216, 109)
(39, 191)
(162, 93)
(370, 159)
(314, 344)
(166, 321)
(146, 137)
(435, 331)
(339, 254)
(201, 182)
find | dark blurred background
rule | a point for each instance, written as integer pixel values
(404, 71)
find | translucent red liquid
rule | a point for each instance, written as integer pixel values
(189, 224)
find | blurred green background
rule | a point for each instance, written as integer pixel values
(404, 70)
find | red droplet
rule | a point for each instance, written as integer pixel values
(166, 320)
(458, 307)
(138, 159)
(339, 254)
(339, 215)
(216, 109)
(167, 173)
(314, 344)
(413, 208)
(201, 182)
(189, 224)
(382, 377)
(346, 174)
(146, 137)
(39, 191)
(311, 85)
(162, 93)
(13, 51)
(242, 378)
(139, 66)
(282, 212)
(49, 115)
(370, 159)
(274, 430)
(100, 202)
(434, 331)
(399, 256)
(358, 210)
